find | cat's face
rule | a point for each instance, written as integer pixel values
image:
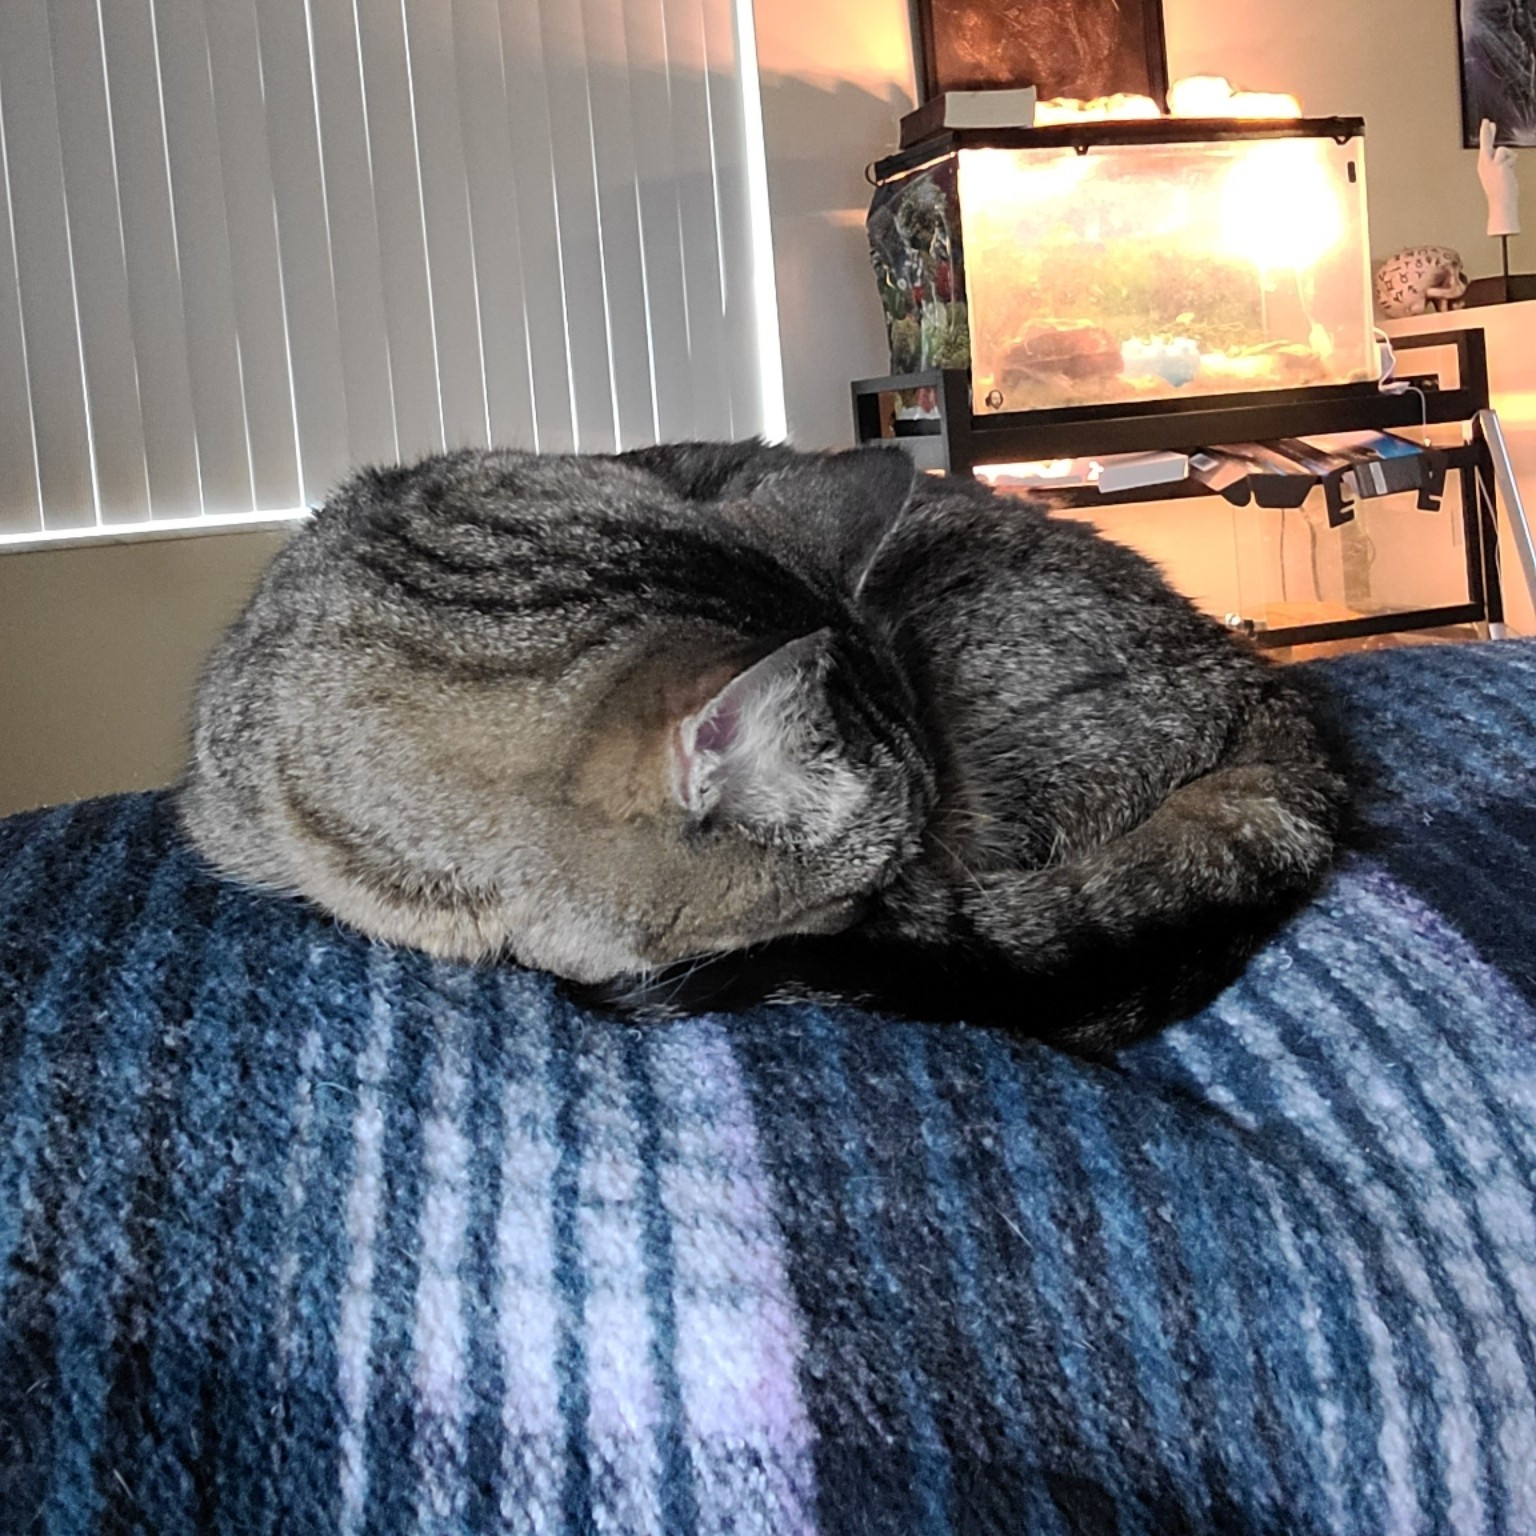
(684, 805)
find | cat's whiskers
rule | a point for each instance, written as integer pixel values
(959, 863)
(678, 981)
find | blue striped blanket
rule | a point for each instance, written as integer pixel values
(305, 1236)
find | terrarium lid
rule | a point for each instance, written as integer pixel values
(1110, 131)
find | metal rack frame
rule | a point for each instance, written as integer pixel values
(957, 440)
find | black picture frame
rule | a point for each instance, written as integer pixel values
(1081, 48)
(1496, 47)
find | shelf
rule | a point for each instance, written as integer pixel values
(1435, 412)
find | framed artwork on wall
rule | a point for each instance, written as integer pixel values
(1082, 48)
(1498, 68)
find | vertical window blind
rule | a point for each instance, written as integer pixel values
(247, 245)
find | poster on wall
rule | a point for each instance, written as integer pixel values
(1498, 69)
(1081, 48)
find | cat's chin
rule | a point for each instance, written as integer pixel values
(804, 967)
(714, 979)
(674, 992)
(820, 922)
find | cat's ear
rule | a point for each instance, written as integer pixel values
(838, 507)
(750, 752)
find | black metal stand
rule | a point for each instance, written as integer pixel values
(956, 440)
(1507, 288)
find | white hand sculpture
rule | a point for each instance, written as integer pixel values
(1496, 171)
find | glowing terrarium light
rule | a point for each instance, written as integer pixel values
(1280, 207)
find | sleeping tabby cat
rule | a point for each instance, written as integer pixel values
(631, 718)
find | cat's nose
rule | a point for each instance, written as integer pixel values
(830, 917)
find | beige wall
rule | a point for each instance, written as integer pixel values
(99, 650)
(836, 78)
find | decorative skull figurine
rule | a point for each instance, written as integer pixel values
(1421, 278)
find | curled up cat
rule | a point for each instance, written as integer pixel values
(700, 723)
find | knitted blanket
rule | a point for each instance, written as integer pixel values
(306, 1236)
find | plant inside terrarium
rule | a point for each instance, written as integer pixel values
(914, 245)
(1132, 287)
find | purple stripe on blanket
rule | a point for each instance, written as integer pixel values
(739, 1338)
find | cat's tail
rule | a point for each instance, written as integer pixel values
(1148, 927)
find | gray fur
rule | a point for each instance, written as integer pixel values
(610, 714)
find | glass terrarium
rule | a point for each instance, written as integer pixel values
(1117, 262)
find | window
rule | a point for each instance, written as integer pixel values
(247, 245)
